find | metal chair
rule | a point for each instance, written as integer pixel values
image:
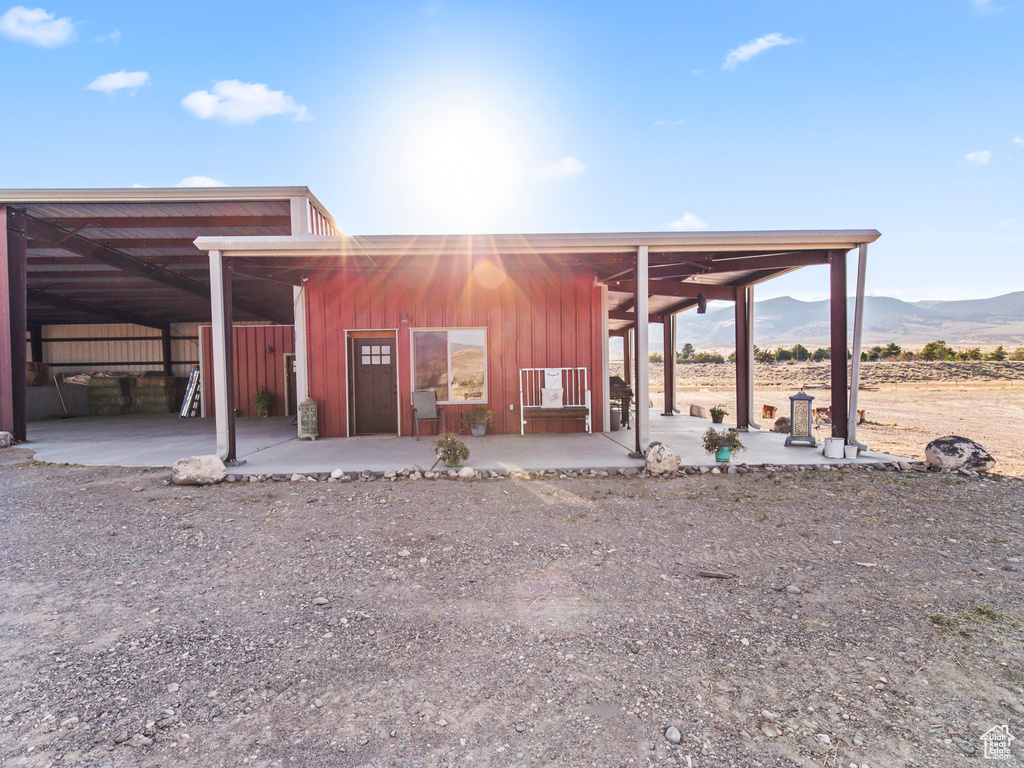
(425, 408)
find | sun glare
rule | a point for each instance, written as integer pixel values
(462, 171)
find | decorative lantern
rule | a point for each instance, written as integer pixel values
(801, 417)
(308, 419)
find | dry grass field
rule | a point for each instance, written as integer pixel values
(907, 404)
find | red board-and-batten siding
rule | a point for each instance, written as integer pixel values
(534, 319)
(255, 368)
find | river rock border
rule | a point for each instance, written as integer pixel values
(468, 473)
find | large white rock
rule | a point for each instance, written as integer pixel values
(198, 470)
(955, 452)
(6, 439)
(467, 473)
(699, 411)
(661, 459)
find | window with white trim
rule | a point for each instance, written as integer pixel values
(452, 362)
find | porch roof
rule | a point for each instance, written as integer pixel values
(681, 264)
(127, 255)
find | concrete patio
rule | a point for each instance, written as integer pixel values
(269, 446)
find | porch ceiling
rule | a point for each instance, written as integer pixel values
(128, 255)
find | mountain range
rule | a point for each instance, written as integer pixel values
(786, 321)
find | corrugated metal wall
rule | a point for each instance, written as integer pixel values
(256, 369)
(537, 318)
(117, 346)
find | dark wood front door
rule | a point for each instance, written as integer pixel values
(374, 386)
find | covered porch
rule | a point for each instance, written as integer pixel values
(269, 447)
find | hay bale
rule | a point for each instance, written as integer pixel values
(37, 374)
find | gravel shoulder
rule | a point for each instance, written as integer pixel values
(874, 618)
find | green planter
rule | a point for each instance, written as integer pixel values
(723, 454)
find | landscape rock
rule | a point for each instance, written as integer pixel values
(336, 474)
(661, 459)
(782, 425)
(672, 734)
(699, 411)
(138, 740)
(955, 452)
(467, 473)
(6, 439)
(198, 470)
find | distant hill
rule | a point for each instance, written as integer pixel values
(786, 321)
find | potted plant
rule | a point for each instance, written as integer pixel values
(449, 449)
(264, 400)
(722, 444)
(718, 413)
(477, 418)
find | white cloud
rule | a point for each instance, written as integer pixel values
(978, 158)
(1019, 141)
(750, 50)
(562, 169)
(236, 102)
(1010, 222)
(983, 6)
(117, 81)
(36, 27)
(689, 221)
(112, 37)
(668, 122)
(200, 181)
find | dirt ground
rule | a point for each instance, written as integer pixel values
(874, 620)
(907, 404)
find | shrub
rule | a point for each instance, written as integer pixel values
(997, 354)
(1017, 354)
(936, 350)
(800, 352)
(449, 449)
(655, 357)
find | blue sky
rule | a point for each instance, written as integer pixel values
(555, 116)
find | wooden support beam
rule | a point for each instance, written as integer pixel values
(223, 336)
(35, 335)
(165, 344)
(668, 321)
(96, 310)
(742, 361)
(769, 261)
(676, 288)
(44, 230)
(642, 427)
(13, 326)
(627, 360)
(837, 307)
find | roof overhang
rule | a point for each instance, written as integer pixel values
(110, 255)
(683, 266)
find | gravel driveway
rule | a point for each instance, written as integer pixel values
(873, 618)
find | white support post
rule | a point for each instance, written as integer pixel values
(643, 353)
(220, 356)
(858, 325)
(750, 356)
(301, 345)
(300, 215)
(605, 360)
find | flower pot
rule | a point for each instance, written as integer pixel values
(716, 418)
(616, 419)
(453, 465)
(478, 430)
(723, 454)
